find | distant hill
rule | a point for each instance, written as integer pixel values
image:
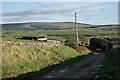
(46, 25)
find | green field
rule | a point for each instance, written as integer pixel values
(105, 32)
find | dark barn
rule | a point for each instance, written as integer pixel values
(37, 38)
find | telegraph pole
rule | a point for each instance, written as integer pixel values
(77, 39)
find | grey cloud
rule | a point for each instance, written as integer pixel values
(32, 15)
(23, 18)
(37, 12)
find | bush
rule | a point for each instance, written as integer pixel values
(82, 39)
(72, 43)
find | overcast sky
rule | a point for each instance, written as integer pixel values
(87, 12)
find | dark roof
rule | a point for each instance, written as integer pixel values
(33, 36)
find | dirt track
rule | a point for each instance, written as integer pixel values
(87, 68)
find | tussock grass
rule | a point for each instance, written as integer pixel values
(21, 59)
(111, 66)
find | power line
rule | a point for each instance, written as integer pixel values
(43, 5)
(51, 8)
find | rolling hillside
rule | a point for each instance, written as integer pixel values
(44, 25)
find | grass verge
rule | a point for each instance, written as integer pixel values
(17, 60)
(111, 66)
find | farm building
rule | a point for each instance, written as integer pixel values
(38, 38)
(115, 42)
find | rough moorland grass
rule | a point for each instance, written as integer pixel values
(111, 66)
(18, 60)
